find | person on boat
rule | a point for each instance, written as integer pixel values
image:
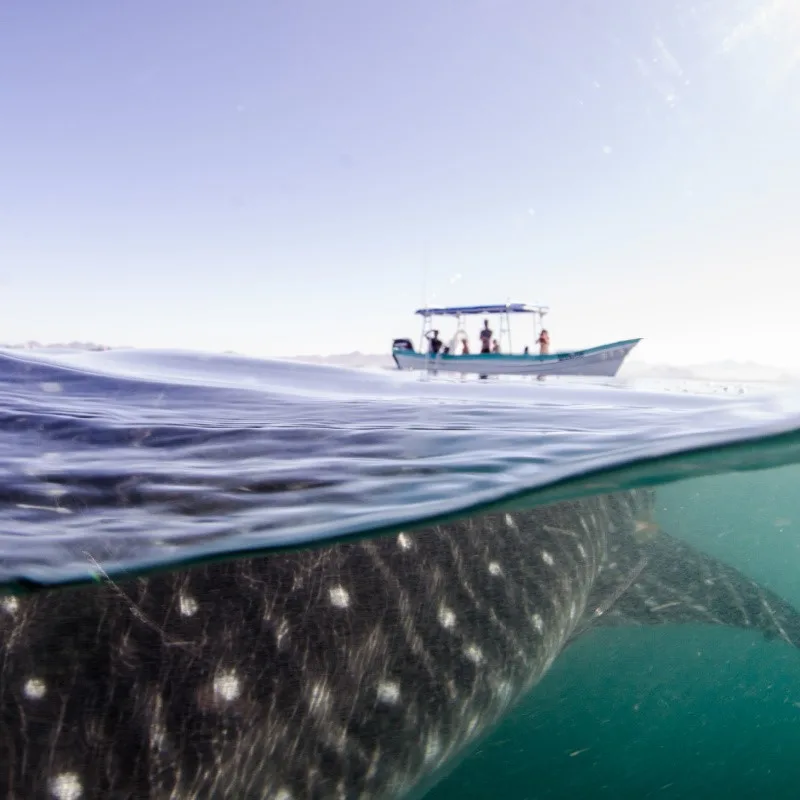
(435, 342)
(486, 337)
(495, 346)
(544, 342)
(464, 347)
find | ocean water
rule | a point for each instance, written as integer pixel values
(122, 462)
(668, 712)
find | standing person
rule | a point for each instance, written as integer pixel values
(544, 342)
(486, 338)
(486, 341)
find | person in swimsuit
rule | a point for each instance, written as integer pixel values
(544, 342)
(486, 338)
(464, 347)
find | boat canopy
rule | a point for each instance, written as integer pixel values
(506, 308)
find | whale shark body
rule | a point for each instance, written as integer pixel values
(356, 670)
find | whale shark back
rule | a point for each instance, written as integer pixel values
(357, 669)
(363, 669)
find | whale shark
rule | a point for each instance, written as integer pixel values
(360, 669)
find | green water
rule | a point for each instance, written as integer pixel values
(673, 712)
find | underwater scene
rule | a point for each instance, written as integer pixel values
(399, 401)
(225, 577)
(695, 710)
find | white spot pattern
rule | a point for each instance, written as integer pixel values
(34, 689)
(538, 622)
(227, 686)
(447, 619)
(10, 605)
(66, 786)
(403, 542)
(389, 692)
(339, 596)
(474, 653)
(188, 605)
(495, 568)
(547, 558)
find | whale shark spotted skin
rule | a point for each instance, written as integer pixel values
(354, 670)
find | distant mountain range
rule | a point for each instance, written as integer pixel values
(712, 371)
(31, 345)
(727, 370)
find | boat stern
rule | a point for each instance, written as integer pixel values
(401, 347)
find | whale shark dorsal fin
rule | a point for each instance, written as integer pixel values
(677, 583)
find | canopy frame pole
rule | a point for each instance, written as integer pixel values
(424, 343)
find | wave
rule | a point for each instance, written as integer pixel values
(140, 459)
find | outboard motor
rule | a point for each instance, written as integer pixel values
(401, 344)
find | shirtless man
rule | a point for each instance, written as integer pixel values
(486, 338)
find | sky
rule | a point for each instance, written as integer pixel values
(284, 177)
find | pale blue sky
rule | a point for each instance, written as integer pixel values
(273, 177)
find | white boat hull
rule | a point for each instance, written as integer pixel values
(603, 361)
